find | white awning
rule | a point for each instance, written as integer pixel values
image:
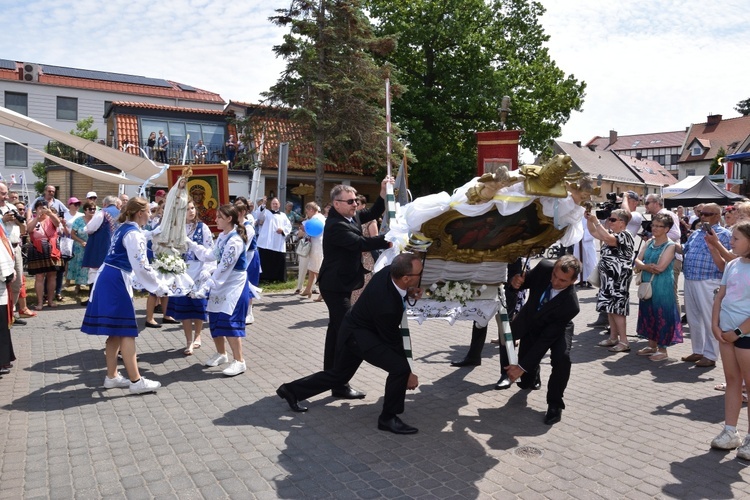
(88, 171)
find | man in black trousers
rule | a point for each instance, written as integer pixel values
(371, 332)
(544, 323)
(342, 271)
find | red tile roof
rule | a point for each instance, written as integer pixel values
(640, 141)
(127, 128)
(173, 91)
(161, 107)
(650, 171)
(728, 134)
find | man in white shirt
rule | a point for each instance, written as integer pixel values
(272, 234)
(14, 225)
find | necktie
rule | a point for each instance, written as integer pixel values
(545, 296)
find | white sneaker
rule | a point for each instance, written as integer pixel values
(249, 319)
(235, 368)
(743, 451)
(727, 441)
(217, 359)
(119, 382)
(144, 385)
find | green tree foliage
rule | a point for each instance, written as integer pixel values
(743, 107)
(39, 169)
(332, 83)
(456, 59)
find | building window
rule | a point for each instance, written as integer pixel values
(689, 171)
(675, 159)
(696, 151)
(107, 104)
(15, 155)
(17, 102)
(67, 108)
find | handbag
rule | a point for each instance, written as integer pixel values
(644, 290)
(66, 247)
(595, 278)
(303, 247)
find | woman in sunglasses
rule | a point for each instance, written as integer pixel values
(615, 273)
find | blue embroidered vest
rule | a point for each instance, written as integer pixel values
(118, 255)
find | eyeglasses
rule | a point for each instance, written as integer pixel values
(647, 202)
(90, 209)
(658, 225)
(707, 214)
(348, 202)
(613, 219)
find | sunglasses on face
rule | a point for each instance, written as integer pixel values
(349, 202)
(613, 219)
(706, 214)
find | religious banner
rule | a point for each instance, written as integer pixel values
(208, 189)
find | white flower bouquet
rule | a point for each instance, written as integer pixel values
(169, 264)
(455, 291)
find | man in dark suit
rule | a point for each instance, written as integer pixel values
(544, 323)
(371, 332)
(342, 271)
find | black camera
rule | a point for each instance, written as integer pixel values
(606, 207)
(645, 228)
(20, 218)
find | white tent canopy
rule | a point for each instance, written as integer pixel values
(91, 172)
(135, 166)
(681, 186)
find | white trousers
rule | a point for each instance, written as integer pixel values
(699, 301)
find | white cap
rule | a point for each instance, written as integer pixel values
(91, 194)
(153, 205)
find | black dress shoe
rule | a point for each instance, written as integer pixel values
(553, 415)
(465, 362)
(598, 324)
(169, 321)
(284, 393)
(152, 325)
(4, 371)
(535, 387)
(503, 383)
(396, 426)
(19, 322)
(347, 392)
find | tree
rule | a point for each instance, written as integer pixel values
(743, 107)
(716, 167)
(456, 59)
(332, 83)
(39, 169)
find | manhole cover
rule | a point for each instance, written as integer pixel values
(528, 452)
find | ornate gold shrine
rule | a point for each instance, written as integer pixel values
(489, 237)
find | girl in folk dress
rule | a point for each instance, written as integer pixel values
(192, 311)
(110, 310)
(229, 293)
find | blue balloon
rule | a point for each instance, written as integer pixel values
(313, 227)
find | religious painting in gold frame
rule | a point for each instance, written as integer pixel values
(208, 188)
(490, 237)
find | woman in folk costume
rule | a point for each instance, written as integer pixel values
(7, 268)
(229, 293)
(110, 310)
(192, 311)
(253, 257)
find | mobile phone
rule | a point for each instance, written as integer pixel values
(707, 227)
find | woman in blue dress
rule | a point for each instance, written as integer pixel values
(658, 317)
(110, 310)
(229, 293)
(192, 311)
(253, 258)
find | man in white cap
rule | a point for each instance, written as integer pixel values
(91, 196)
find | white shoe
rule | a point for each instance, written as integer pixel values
(235, 368)
(144, 385)
(743, 451)
(217, 359)
(727, 441)
(119, 382)
(249, 319)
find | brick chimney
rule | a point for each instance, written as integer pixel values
(612, 137)
(713, 119)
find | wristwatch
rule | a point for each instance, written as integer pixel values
(739, 333)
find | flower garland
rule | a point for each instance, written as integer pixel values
(454, 291)
(169, 264)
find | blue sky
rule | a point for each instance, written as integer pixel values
(650, 66)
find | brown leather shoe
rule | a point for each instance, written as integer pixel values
(705, 363)
(692, 358)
